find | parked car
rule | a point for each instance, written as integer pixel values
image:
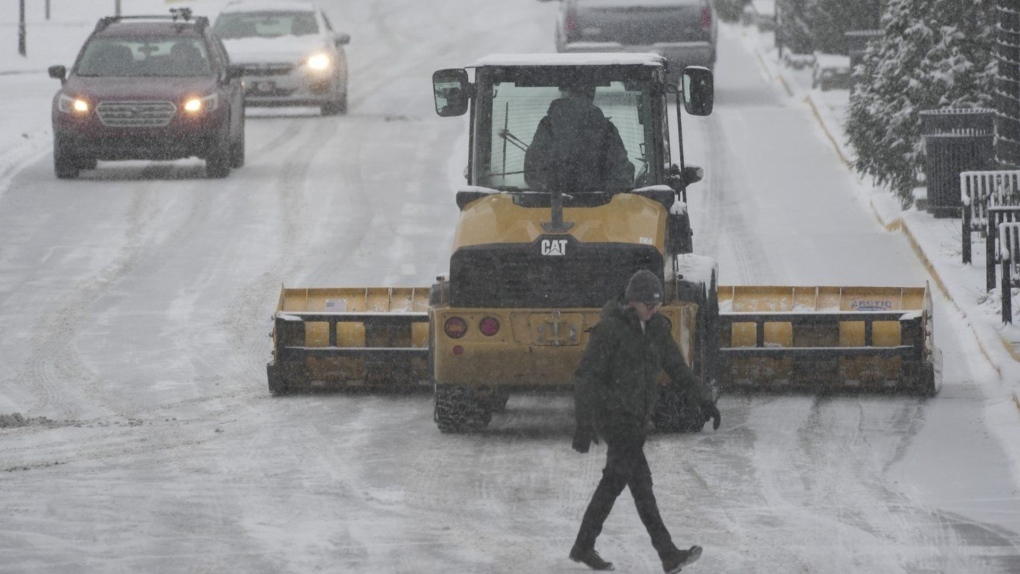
(149, 87)
(290, 54)
(683, 31)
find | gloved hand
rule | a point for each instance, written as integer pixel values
(710, 411)
(584, 435)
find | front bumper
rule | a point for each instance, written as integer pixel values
(279, 86)
(183, 137)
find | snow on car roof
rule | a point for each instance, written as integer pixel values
(572, 59)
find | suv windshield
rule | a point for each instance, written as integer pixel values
(264, 24)
(144, 56)
(510, 109)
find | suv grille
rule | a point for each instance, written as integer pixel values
(520, 276)
(146, 114)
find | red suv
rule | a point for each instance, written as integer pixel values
(149, 87)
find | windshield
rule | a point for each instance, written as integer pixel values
(265, 24)
(509, 124)
(144, 56)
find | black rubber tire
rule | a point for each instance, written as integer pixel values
(457, 410)
(217, 165)
(237, 149)
(65, 165)
(337, 106)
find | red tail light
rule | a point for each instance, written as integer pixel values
(706, 18)
(489, 326)
(455, 327)
(570, 21)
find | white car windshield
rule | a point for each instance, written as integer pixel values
(265, 24)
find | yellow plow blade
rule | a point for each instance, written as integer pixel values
(350, 337)
(827, 338)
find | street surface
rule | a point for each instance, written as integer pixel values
(135, 308)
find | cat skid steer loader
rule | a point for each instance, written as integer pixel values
(530, 270)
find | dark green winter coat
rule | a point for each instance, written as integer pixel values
(616, 383)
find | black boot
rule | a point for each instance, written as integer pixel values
(590, 558)
(679, 558)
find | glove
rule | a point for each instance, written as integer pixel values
(711, 412)
(584, 435)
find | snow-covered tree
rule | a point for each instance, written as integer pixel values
(933, 54)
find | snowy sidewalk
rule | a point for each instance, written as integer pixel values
(936, 241)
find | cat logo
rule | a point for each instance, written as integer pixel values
(554, 247)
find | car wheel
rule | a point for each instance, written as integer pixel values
(217, 164)
(237, 149)
(65, 166)
(337, 106)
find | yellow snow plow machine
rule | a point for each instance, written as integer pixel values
(531, 268)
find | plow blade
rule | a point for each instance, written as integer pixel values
(822, 339)
(350, 337)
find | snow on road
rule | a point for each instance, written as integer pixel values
(135, 307)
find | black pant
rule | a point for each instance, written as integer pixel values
(626, 466)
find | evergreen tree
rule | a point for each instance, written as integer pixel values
(933, 54)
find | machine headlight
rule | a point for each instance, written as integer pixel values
(319, 62)
(202, 105)
(70, 105)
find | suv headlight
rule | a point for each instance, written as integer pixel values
(202, 105)
(319, 62)
(69, 105)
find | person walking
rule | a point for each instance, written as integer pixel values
(615, 395)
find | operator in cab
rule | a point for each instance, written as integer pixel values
(576, 148)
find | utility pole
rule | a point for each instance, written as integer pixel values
(116, 7)
(47, 10)
(21, 27)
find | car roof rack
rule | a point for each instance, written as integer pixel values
(183, 15)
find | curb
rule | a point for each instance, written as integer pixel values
(896, 223)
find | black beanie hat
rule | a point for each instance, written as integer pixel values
(644, 287)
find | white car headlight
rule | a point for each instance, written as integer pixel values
(69, 105)
(202, 105)
(319, 62)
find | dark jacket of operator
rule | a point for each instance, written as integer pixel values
(576, 148)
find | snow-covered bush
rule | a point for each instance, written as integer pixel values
(933, 54)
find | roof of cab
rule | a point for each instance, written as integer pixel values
(573, 59)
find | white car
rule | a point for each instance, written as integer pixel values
(290, 54)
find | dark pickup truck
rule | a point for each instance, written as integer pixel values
(683, 31)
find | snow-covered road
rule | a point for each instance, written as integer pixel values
(135, 306)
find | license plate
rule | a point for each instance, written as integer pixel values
(556, 328)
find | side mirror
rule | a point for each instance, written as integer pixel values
(698, 87)
(686, 176)
(234, 71)
(450, 88)
(342, 39)
(58, 72)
